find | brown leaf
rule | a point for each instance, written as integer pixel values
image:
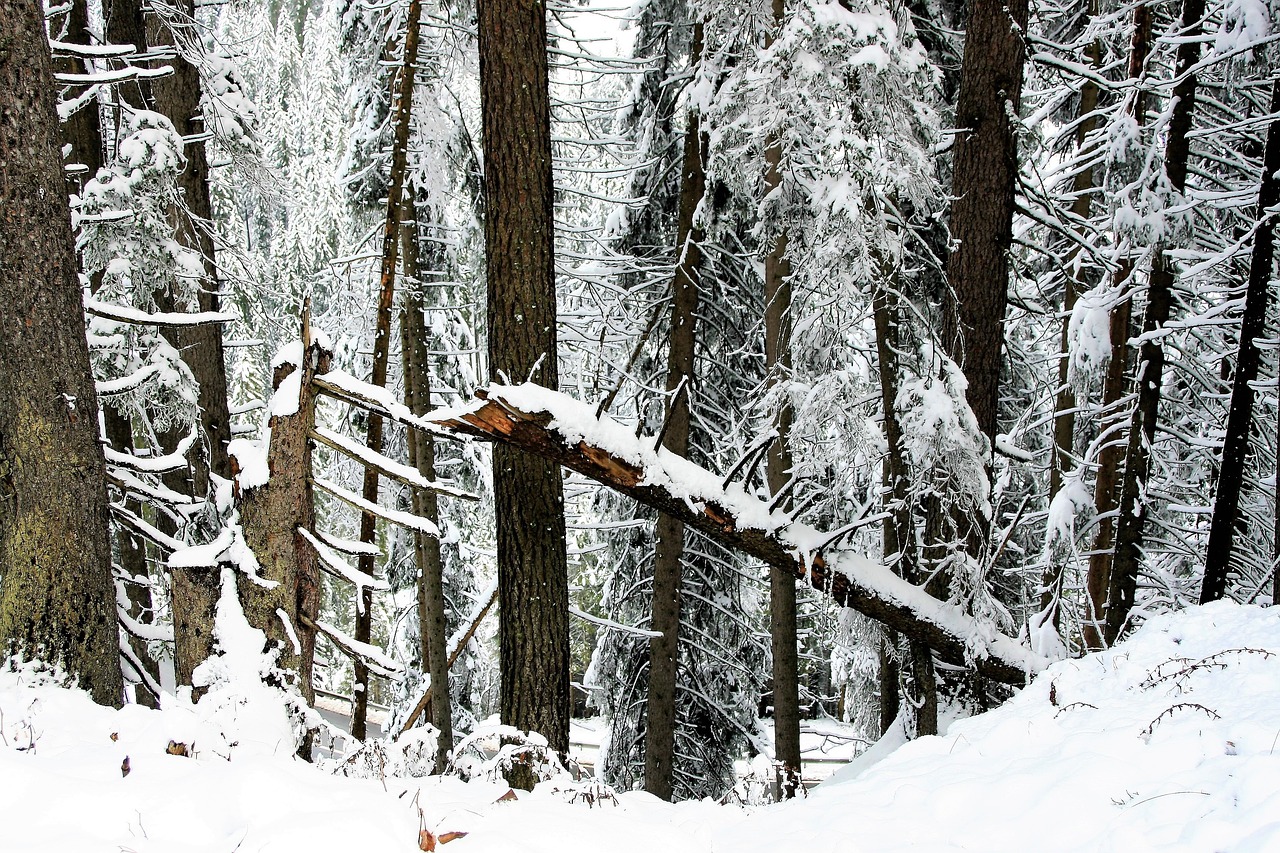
(426, 841)
(451, 836)
(115, 736)
(509, 796)
(176, 748)
(124, 766)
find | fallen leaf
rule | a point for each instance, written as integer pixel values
(426, 841)
(176, 748)
(451, 836)
(508, 797)
(124, 766)
(115, 736)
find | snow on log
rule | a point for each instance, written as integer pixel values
(557, 427)
(168, 319)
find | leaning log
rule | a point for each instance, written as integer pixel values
(556, 427)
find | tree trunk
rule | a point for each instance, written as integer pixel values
(272, 516)
(1123, 586)
(1064, 422)
(1107, 485)
(519, 248)
(664, 650)
(986, 171)
(401, 123)
(57, 599)
(899, 528)
(195, 592)
(432, 622)
(1235, 446)
(782, 584)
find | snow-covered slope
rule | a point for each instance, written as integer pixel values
(1169, 742)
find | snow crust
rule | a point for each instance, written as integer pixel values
(1167, 742)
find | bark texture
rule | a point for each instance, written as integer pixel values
(1226, 519)
(519, 245)
(664, 651)
(271, 516)
(57, 599)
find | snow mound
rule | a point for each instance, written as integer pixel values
(1167, 742)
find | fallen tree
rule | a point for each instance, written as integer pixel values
(557, 427)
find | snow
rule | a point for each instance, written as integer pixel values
(1167, 742)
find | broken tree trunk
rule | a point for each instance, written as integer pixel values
(273, 516)
(557, 428)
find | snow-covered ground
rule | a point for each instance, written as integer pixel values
(1168, 742)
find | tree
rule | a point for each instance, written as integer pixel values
(519, 246)
(660, 728)
(1226, 508)
(57, 600)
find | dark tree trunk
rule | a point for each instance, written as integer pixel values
(195, 592)
(432, 621)
(1123, 585)
(782, 584)
(986, 171)
(272, 516)
(1226, 507)
(57, 599)
(664, 650)
(519, 247)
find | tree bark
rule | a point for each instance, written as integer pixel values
(1235, 448)
(519, 246)
(1123, 585)
(782, 583)
(986, 171)
(664, 650)
(57, 599)
(432, 621)
(272, 516)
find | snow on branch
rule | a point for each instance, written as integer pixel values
(386, 466)
(371, 656)
(169, 319)
(557, 427)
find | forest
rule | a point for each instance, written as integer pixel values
(708, 373)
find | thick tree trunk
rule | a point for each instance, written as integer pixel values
(1235, 447)
(986, 171)
(1064, 422)
(1123, 586)
(432, 621)
(57, 599)
(519, 247)
(782, 584)
(272, 516)
(664, 650)
(401, 122)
